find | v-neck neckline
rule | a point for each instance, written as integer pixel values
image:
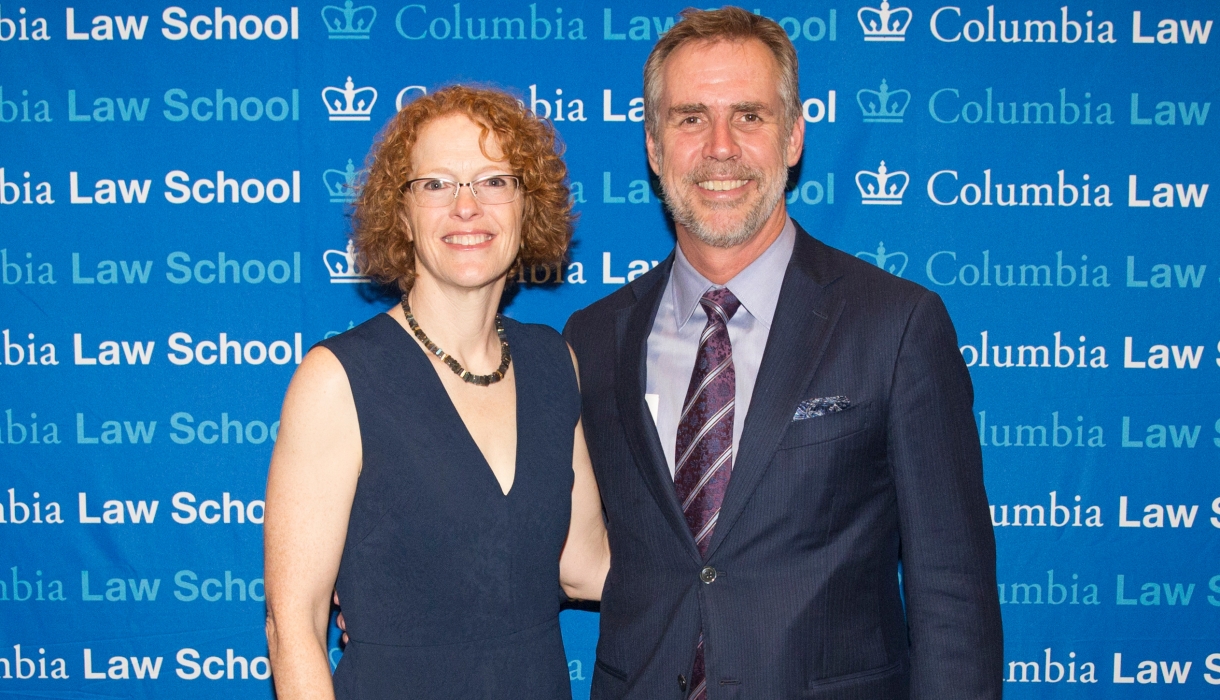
(457, 414)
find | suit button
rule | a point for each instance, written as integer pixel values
(681, 682)
(707, 575)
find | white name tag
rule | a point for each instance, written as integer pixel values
(654, 405)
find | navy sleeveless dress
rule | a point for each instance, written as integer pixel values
(449, 587)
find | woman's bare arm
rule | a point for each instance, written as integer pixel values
(310, 488)
(586, 554)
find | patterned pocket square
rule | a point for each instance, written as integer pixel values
(814, 408)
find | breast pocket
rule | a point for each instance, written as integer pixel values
(832, 426)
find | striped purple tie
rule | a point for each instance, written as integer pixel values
(704, 454)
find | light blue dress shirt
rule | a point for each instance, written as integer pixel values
(673, 342)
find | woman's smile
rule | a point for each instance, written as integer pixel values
(468, 240)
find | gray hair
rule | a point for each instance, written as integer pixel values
(725, 24)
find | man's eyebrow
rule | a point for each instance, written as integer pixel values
(701, 108)
(759, 107)
(688, 108)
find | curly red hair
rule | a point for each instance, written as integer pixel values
(383, 250)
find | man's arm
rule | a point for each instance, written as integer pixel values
(947, 542)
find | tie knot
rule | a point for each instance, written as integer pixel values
(720, 301)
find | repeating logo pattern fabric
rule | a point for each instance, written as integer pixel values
(175, 190)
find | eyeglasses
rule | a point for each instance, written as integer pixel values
(439, 192)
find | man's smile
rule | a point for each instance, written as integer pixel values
(722, 185)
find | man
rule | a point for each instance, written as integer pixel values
(775, 426)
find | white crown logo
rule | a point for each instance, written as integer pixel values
(348, 104)
(342, 185)
(884, 24)
(341, 264)
(883, 105)
(349, 22)
(882, 186)
(880, 258)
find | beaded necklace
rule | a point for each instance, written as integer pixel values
(458, 369)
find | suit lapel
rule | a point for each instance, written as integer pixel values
(805, 317)
(632, 327)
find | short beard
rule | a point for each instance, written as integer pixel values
(771, 191)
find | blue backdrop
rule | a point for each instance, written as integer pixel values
(173, 237)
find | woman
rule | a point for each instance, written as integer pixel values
(430, 465)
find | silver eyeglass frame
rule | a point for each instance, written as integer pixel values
(473, 185)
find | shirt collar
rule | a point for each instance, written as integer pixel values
(756, 287)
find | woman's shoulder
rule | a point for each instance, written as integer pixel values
(367, 349)
(371, 332)
(546, 363)
(538, 337)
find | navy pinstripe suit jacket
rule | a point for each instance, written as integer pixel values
(807, 601)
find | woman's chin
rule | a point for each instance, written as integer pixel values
(471, 276)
